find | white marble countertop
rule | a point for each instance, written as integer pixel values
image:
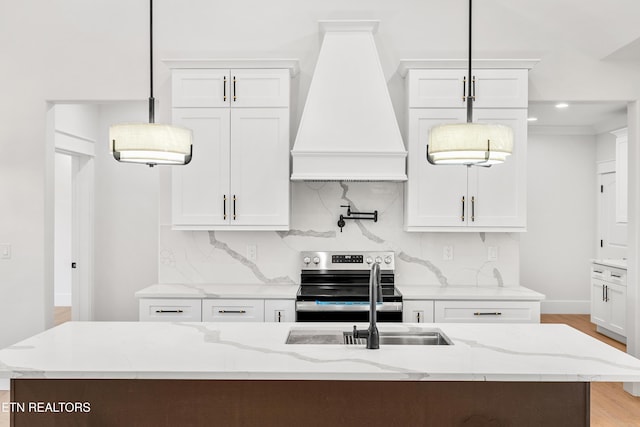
(154, 350)
(409, 292)
(612, 262)
(507, 293)
(210, 290)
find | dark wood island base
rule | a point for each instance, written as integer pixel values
(281, 403)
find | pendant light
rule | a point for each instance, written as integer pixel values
(151, 143)
(471, 144)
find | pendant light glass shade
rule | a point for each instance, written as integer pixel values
(469, 144)
(151, 143)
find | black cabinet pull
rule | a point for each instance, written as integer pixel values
(606, 294)
(279, 316)
(234, 207)
(484, 313)
(473, 209)
(234, 88)
(224, 89)
(597, 271)
(473, 95)
(224, 207)
(462, 209)
(169, 311)
(232, 311)
(464, 88)
(602, 292)
(418, 316)
(616, 275)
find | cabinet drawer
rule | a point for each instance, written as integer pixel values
(228, 310)
(447, 88)
(609, 274)
(169, 310)
(487, 311)
(276, 310)
(417, 311)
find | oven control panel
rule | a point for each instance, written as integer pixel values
(347, 260)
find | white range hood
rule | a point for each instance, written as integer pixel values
(348, 129)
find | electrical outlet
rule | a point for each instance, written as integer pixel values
(447, 253)
(5, 251)
(252, 253)
(492, 253)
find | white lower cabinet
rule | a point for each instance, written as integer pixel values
(165, 310)
(232, 310)
(609, 300)
(276, 310)
(487, 311)
(417, 311)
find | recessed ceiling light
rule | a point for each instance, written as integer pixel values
(562, 105)
(532, 119)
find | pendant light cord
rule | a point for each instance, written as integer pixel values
(470, 96)
(151, 98)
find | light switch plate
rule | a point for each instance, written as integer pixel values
(492, 253)
(447, 253)
(252, 253)
(5, 251)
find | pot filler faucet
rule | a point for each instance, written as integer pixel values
(375, 295)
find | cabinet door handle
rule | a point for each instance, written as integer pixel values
(169, 311)
(462, 218)
(279, 316)
(224, 207)
(606, 293)
(418, 316)
(234, 207)
(232, 311)
(473, 81)
(224, 89)
(464, 88)
(473, 209)
(234, 88)
(602, 292)
(485, 313)
(616, 275)
(597, 271)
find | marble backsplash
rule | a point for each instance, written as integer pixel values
(221, 256)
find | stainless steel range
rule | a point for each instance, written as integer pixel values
(335, 287)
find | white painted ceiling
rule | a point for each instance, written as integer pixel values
(583, 117)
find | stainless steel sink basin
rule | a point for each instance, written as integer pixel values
(430, 336)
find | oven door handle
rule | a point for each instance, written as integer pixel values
(345, 306)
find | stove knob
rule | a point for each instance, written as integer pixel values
(378, 260)
(387, 260)
(316, 260)
(369, 260)
(306, 260)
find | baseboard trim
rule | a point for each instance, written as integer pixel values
(565, 307)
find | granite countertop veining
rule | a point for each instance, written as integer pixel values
(156, 350)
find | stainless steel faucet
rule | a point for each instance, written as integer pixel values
(375, 295)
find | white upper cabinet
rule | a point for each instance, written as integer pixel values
(459, 198)
(230, 88)
(239, 175)
(447, 88)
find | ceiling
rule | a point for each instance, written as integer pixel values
(579, 117)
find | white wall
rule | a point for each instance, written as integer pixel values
(126, 222)
(555, 251)
(62, 233)
(68, 50)
(605, 147)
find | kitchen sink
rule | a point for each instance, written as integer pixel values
(430, 336)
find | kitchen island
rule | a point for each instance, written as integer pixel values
(166, 374)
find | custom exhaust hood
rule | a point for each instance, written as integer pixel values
(348, 129)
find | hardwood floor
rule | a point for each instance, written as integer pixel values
(610, 404)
